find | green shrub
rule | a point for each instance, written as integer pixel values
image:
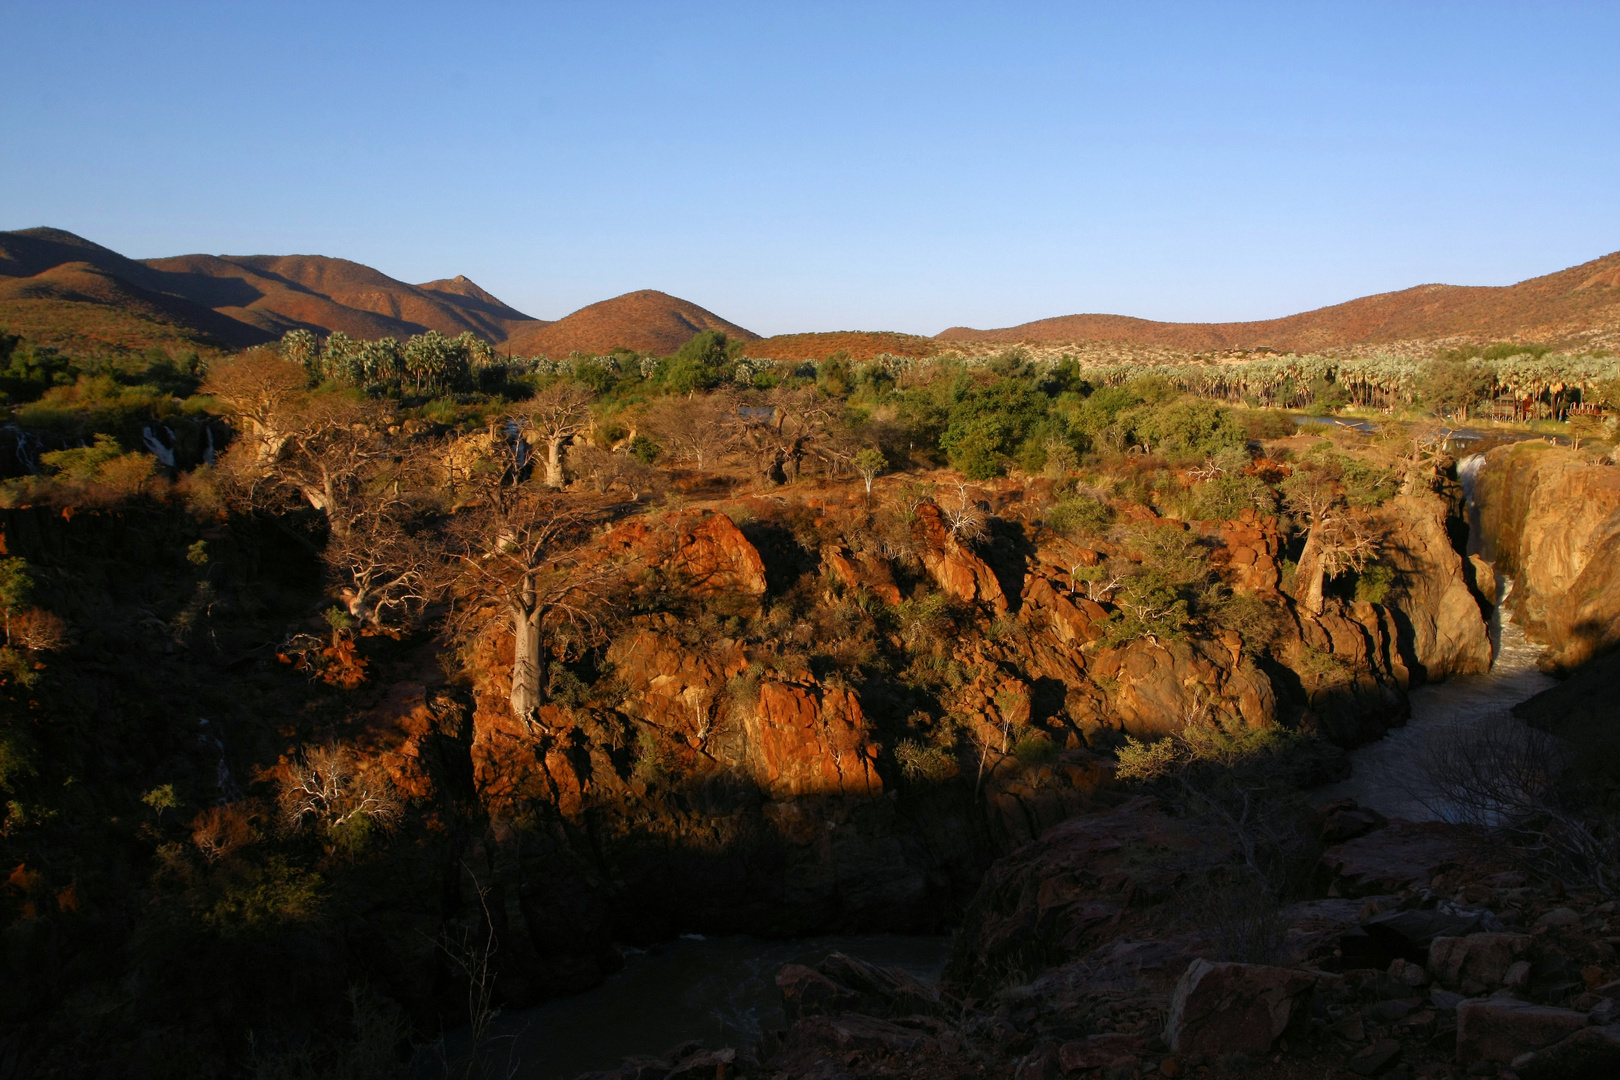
(1035, 748)
(80, 463)
(645, 450)
(1224, 497)
(1266, 423)
(920, 761)
(1373, 583)
(1078, 515)
(1192, 426)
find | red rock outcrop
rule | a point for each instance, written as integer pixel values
(1250, 552)
(1432, 594)
(1156, 688)
(954, 567)
(861, 570)
(704, 551)
(811, 740)
(1550, 519)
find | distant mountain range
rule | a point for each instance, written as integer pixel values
(1574, 306)
(61, 289)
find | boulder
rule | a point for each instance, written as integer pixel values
(1551, 519)
(1344, 819)
(1098, 1051)
(953, 566)
(852, 1031)
(1375, 1058)
(1055, 899)
(1233, 1008)
(811, 740)
(807, 992)
(1401, 856)
(704, 551)
(1591, 1053)
(1409, 934)
(1153, 687)
(1483, 958)
(842, 983)
(1500, 1029)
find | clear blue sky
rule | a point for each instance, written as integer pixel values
(834, 166)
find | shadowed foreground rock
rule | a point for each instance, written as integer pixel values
(1234, 1008)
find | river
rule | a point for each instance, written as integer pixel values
(1388, 775)
(721, 990)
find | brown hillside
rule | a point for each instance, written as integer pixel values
(229, 301)
(282, 292)
(646, 321)
(858, 344)
(1571, 307)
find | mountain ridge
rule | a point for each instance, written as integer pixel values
(1582, 301)
(63, 289)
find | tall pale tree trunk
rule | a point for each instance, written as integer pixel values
(1312, 572)
(527, 663)
(554, 463)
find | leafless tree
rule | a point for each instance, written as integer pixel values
(338, 457)
(220, 831)
(695, 429)
(1425, 449)
(327, 787)
(554, 417)
(524, 551)
(1338, 538)
(963, 517)
(1101, 580)
(781, 429)
(606, 470)
(1516, 782)
(380, 567)
(38, 630)
(258, 388)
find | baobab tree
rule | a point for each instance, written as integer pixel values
(380, 566)
(339, 459)
(781, 429)
(259, 389)
(553, 418)
(1337, 537)
(522, 551)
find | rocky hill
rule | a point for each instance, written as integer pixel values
(645, 321)
(61, 289)
(1573, 307)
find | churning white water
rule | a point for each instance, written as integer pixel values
(1388, 775)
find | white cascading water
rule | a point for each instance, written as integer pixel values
(1388, 775)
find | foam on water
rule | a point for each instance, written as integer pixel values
(1388, 774)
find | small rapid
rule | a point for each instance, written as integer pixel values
(1388, 775)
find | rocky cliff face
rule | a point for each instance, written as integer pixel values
(1440, 609)
(732, 760)
(1550, 518)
